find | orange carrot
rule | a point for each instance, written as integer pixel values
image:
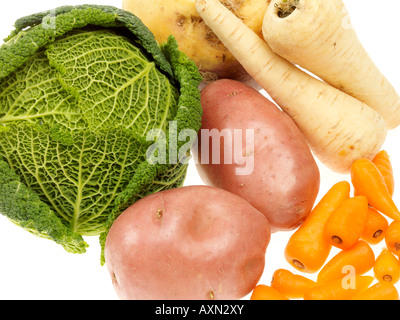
(339, 289)
(346, 224)
(392, 237)
(291, 285)
(307, 249)
(368, 181)
(387, 267)
(359, 258)
(263, 292)
(379, 291)
(375, 227)
(382, 162)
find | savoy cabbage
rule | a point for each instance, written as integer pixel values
(80, 87)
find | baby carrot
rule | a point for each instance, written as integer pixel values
(375, 227)
(291, 285)
(339, 289)
(392, 237)
(360, 258)
(368, 181)
(387, 267)
(263, 292)
(382, 162)
(346, 224)
(379, 291)
(307, 249)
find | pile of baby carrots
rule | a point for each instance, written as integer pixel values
(352, 223)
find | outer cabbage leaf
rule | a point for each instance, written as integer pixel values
(32, 214)
(114, 81)
(78, 175)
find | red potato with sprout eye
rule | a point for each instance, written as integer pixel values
(194, 242)
(263, 156)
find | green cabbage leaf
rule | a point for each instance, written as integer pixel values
(80, 89)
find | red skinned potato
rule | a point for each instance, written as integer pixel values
(275, 171)
(190, 243)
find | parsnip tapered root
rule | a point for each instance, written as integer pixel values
(338, 127)
(318, 36)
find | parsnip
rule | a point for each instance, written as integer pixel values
(318, 36)
(338, 127)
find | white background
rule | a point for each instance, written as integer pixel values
(35, 268)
